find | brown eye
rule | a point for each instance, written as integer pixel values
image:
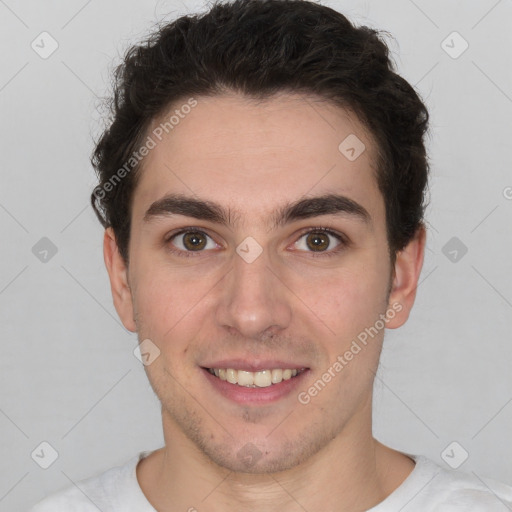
(192, 241)
(320, 241)
(317, 241)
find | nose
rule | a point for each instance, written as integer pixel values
(254, 302)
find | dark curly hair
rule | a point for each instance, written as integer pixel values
(260, 48)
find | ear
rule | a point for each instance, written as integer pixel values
(408, 264)
(118, 275)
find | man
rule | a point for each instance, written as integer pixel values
(262, 188)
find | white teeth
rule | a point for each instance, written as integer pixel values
(277, 376)
(245, 378)
(261, 379)
(232, 376)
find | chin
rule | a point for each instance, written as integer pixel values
(246, 447)
(252, 460)
(263, 455)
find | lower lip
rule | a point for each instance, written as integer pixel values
(244, 395)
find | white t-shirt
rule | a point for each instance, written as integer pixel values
(428, 488)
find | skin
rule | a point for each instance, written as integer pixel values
(287, 304)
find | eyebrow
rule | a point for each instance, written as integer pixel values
(329, 204)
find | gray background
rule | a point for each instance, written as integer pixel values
(67, 370)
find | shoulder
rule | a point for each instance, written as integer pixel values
(69, 499)
(455, 490)
(100, 493)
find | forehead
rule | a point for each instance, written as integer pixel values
(253, 156)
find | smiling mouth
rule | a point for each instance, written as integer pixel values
(259, 379)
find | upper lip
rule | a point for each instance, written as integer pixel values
(254, 365)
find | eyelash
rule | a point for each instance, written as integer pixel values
(343, 242)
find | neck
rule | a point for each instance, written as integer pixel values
(353, 472)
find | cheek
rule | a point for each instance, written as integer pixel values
(349, 299)
(350, 305)
(163, 303)
(166, 316)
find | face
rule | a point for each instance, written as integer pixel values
(258, 246)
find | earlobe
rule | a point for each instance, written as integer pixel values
(119, 285)
(407, 270)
